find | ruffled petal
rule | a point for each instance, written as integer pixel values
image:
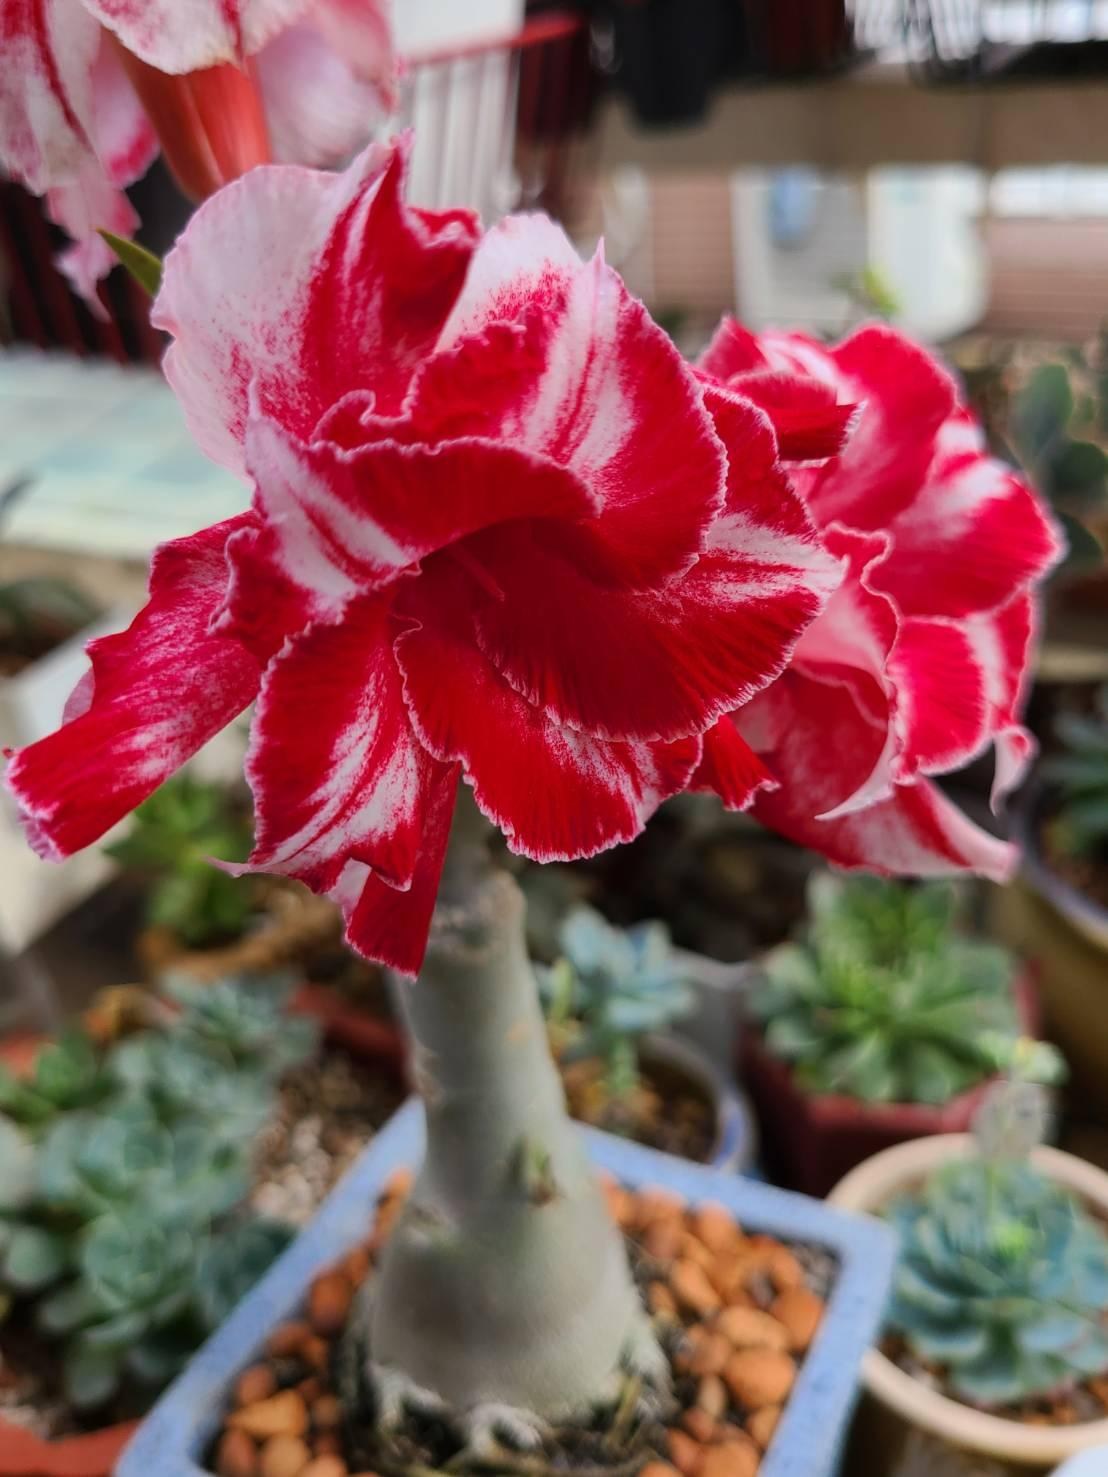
(730, 768)
(1003, 642)
(160, 690)
(974, 533)
(341, 523)
(733, 350)
(306, 285)
(320, 108)
(336, 771)
(818, 743)
(554, 355)
(645, 666)
(942, 702)
(709, 639)
(903, 395)
(362, 32)
(186, 35)
(390, 926)
(48, 50)
(810, 422)
(89, 204)
(556, 794)
(71, 128)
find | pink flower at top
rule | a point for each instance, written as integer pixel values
(920, 660)
(90, 88)
(494, 533)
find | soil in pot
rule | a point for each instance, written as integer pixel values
(734, 1313)
(1087, 1401)
(327, 1111)
(1085, 874)
(666, 1110)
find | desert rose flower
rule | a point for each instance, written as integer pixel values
(494, 533)
(920, 660)
(89, 89)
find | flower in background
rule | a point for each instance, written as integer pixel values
(494, 533)
(89, 89)
(920, 661)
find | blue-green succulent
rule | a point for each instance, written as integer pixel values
(122, 1179)
(610, 987)
(1003, 1276)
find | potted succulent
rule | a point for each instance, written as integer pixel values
(608, 999)
(123, 1237)
(511, 564)
(41, 653)
(1058, 914)
(996, 1343)
(884, 1023)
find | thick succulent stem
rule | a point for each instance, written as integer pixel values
(505, 1282)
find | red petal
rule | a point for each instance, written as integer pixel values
(640, 666)
(554, 355)
(1003, 642)
(347, 522)
(820, 746)
(556, 794)
(733, 350)
(810, 423)
(307, 285)
(336, 771)
(390, 926)
(185, 35)
(904, 397)
(942, 708)
(730, 767)
(974, 534)
(160, 690)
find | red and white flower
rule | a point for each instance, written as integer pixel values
(919, 662)
(494, 533)
(89, 88)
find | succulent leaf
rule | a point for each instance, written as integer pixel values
(991, 1283)
(885, 1001)
(619, 985)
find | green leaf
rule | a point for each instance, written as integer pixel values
(1083, 550)
(17, 1168)
(67, 1309)
(233, 1262)
(1042, 410)
(34, 1258)
(1078, 473)
(91, 1375)
(143, 265)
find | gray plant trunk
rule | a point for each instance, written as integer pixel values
(505, 1282)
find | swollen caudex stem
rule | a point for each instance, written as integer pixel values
(504, 1293)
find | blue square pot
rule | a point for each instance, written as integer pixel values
(807, 1443)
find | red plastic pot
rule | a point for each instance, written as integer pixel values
(810, 1142)
(92, 1455)
(371, 1040)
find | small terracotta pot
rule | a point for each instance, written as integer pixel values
(898, 1405)
(93, 1455)
(809, 1142)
